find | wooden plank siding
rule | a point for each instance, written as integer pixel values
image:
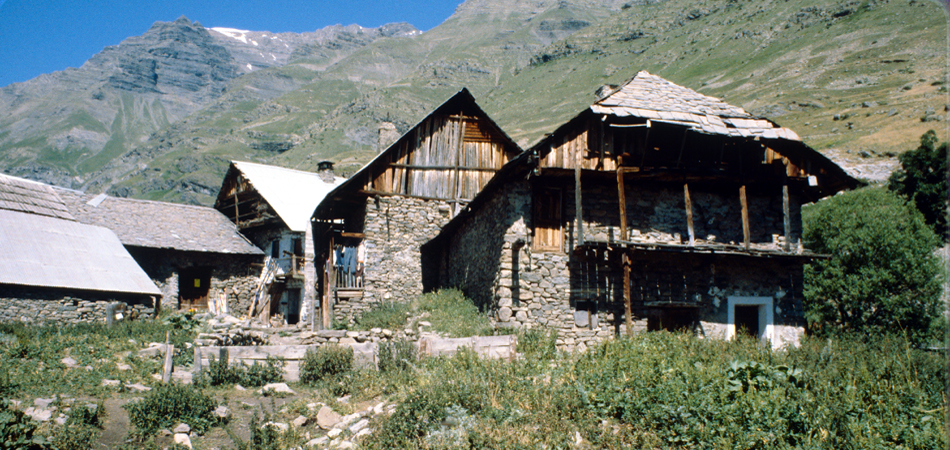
(448, 157)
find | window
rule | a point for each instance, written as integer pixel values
(547, 220)
(275, 249)
(752, 315)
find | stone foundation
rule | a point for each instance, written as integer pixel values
(55, 307)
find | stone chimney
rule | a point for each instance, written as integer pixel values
(387, 134)
(325, 171)
(605, 90)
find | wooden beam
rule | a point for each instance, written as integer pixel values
(420, 197)
(627, 310)
(416, 167)
(746, 239)
(689, 215)
(786, 211)
(578, 204)
(622, 200)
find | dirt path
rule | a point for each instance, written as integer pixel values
(116, 426)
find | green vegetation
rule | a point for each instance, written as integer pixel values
(390, 315)
(327, 363)
(662, 390)
(220, 373)
(451, 314)
(17, 430)
(922, 179)
(882, 276)
(170, 404)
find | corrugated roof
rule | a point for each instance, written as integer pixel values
(651, 97)
(153, 224)
(17, 194)
(293, 194)
(45, 251)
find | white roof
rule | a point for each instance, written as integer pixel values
(47, 251)
(293, 194)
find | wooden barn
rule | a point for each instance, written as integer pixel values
(272, 205)
(367, 232)
(655, 208)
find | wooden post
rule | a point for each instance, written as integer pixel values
(622, 196)
(745, 217)
(578, 205)
(788, 218)
(627, 310)
(197, 364)
(689, 215)
(169, 354)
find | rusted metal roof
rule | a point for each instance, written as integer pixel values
(293, 194)
(152, 224)
(18, 194)
(651, 97)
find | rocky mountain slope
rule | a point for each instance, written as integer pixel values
(860, 81)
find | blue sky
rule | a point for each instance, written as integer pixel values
(41, 36)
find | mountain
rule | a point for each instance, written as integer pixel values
(159, 115)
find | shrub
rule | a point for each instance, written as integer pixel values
(396, 355)
(882, 275)
(922, 179)
(452, 314)
(325, 363)
(384, 315)
(221, 373)
(81, 428)
(17, 430)
(169, 404)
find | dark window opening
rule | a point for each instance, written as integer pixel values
(747, 320)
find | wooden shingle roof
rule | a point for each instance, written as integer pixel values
(651, 97)
(152, 224)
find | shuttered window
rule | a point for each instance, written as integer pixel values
(547, 220)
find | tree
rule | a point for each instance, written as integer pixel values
(882, 275)
(922, 179)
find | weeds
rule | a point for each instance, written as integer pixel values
(221, 373)
(388, 315)
(169, 404)
(452, 314)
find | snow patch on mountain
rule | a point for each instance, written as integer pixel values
(234, 33)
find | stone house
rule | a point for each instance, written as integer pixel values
(54, 268)
(272, 205)
(194, 254)
(368, 231)
(655, 208)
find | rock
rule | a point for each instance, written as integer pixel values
(137, 387)
(504, 314)
(154, 349)
(43, 402)
(222, 412)
(318, 441)
(38, 414)
(346, 420)
(279, 426)
(352, 334)
(183, 439)
(123, 367)
(424, 323)
(378, 409)
(334, 433)
(387, 332)
(376, 330)
(346, 444)
(69, 362)
(110, 383)
(356, 427)
(61, 420)
(276, 388)
(327, 418)
(182, 428)
(347, 341)
(238, 387)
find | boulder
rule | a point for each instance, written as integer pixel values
(327, 418)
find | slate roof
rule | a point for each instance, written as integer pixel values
(42, 245)
(163, 225)
(651, 97)
(17, 194)
(293, 194)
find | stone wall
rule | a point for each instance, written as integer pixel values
(580, 293)
(41, 306)
(234, 276)
(395, 228)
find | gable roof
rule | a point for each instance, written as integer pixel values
(293, 194)
(42, 245)
(152, 224)
(462, 100)
(651, 97)
(18, 194)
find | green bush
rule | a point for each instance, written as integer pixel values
(922, 179)
(388, 315)
(17, 430)
(328, 362)
(82, 427)
(396, 355)
(452, 314)
(170, 404)
(220, 373)
(882, 276)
